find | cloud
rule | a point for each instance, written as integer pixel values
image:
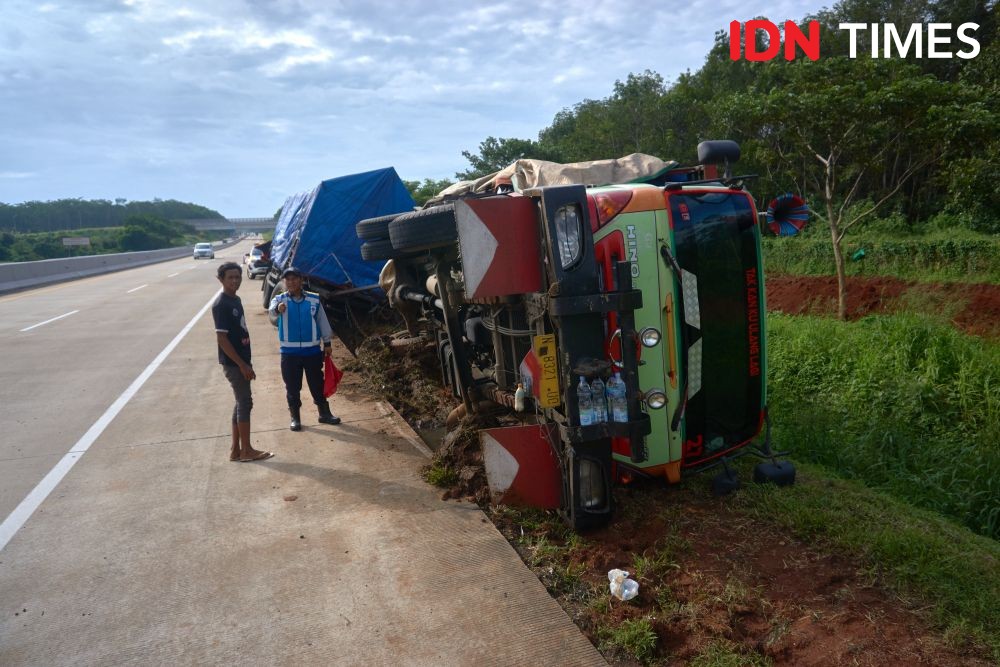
(224, 102)
(278, 126)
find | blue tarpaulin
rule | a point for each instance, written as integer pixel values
(315, 230)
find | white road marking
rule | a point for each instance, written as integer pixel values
(52, 320)
(135, 289)
(174, 274)
(27, 507)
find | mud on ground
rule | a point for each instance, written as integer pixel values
(713, 582)
(406, 376)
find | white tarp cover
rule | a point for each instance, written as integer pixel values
(525, 174)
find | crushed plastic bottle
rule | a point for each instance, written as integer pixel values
(621, 586)
(600, 399)
(585, 403)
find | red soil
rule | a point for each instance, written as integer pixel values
(973, 308)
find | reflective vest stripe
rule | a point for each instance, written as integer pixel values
(300, 310)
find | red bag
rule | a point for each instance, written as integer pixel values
(331, 377)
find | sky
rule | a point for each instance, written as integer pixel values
(237, 104)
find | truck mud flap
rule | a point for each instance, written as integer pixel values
(522, 468)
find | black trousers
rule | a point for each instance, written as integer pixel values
(292, 367)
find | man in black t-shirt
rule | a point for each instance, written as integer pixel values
(233, 340)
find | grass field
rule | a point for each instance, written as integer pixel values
(957, 256)
(907, 405)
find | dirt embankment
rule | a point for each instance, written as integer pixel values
(971, 307)
(715, 578)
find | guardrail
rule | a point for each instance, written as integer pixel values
(16, 276)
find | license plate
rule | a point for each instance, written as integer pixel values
(544, 348)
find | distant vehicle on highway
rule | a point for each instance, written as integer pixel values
(204, 250)
(259, 260)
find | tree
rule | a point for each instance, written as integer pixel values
(421, 192)
(851, 131)
(495, 154)
(585, 132)
(65, 214)
(637, 106)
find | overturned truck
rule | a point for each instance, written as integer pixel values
(315, 234)
(537, 291)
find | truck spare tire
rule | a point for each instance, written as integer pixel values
(375, 228)
(376, 250)
(424, 230)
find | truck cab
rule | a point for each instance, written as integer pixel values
(657, 284)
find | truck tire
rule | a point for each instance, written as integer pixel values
(375, 228)
(271, 291)
(779, 473)
(376, 250)
(265, 290)
(424, 230)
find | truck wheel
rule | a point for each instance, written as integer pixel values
(725, 483)
(272, 291)
(375, 228)
(376, 250)
(424, 230)
(779, 473)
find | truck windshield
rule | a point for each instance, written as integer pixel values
(715, 241)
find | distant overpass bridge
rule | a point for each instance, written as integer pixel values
(232, 224)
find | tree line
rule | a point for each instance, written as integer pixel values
(857, 138)
(76, 214)
(139, 232)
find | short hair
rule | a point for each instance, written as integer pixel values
(228, 266)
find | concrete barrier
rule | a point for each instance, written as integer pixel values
(16, 276)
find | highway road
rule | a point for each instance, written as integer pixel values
(128, 536)
(69, 351)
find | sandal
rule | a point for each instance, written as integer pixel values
(259, 456)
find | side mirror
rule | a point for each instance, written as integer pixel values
(720, 151)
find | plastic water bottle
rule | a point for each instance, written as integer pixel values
(585, 402)
(616, 398)
(621, 586)
(600, 399)
(519, 398)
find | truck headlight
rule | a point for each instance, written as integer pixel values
(593, 494)
(569, 234)
(655, 398)
(650, 337)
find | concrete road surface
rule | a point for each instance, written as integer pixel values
(144, 544)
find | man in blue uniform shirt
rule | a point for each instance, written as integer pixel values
(304, 335)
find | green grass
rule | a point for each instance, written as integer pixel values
(942, 256)
(905, 404)
(658, 565)
(923, 556)
(722, 653)
(634, 636)
(439, 474)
